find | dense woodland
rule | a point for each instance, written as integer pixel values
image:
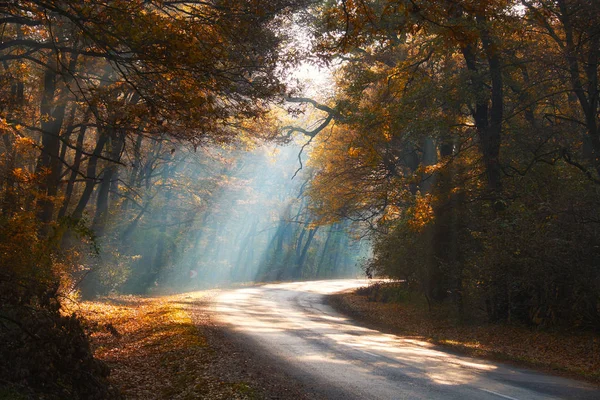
(468, 139)
(158, 146)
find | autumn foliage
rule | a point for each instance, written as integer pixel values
(462, 139)
(466, 141)
(95, 98)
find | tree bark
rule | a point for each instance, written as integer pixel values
(488, 117)
(116, 142)
(52, 112)
(75, 168)
(91, 178)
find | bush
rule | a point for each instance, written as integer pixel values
(385, 292)
(44, 353)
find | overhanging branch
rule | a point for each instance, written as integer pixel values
(315, 104)
(332, 115)
(293, 129)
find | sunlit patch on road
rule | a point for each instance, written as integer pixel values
(292, 323)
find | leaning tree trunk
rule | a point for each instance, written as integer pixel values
(116, 143)
(91, 177)
(75, 168)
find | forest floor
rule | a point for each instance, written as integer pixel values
(571, 354)
(169, 347)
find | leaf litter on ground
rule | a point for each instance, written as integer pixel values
(155, 350)
(575, 354)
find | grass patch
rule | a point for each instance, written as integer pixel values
(573, 354)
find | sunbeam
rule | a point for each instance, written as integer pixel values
(257, 227)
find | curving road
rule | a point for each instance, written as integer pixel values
(336, 359)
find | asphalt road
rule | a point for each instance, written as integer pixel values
(336, 359)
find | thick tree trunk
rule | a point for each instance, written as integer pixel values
(10, 199)
(48, 162)
(70, 128)
(488, 114)
(52, 112)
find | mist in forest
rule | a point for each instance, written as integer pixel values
(250, 222)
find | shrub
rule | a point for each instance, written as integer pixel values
(44, 353)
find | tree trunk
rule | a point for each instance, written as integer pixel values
(488, 117)
(52, 113)
(134, 169)
(245, 254)
(324, 253)
(588, 103)
(300, 260)
(90, 176)
(116, 143)
(160, 258)
(75, 167)
(48, 162)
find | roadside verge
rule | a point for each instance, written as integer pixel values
(575, 355)
(170, 347)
